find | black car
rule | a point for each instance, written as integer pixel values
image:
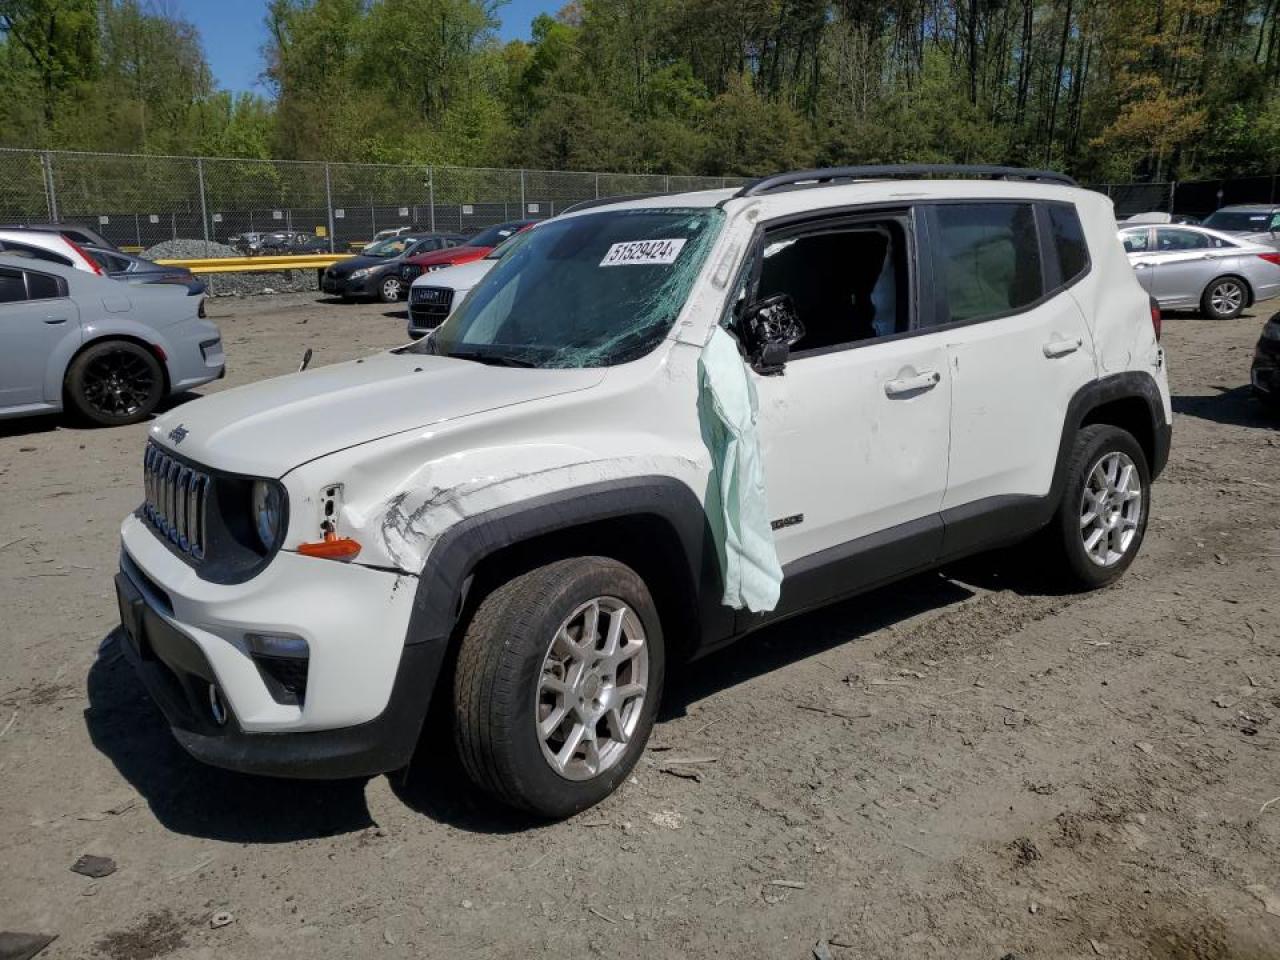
(132, 269)
(77, 234)
(1265, 374)
(376, 272)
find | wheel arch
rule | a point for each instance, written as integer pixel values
(154, 349)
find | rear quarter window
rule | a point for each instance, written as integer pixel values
(12, 288)
(42, 286)
(1068, 241)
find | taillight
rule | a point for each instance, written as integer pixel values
(1156, 321)
(97, 268)
(1271, 258)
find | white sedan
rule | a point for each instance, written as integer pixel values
(1188, 268)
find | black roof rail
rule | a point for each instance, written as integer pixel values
(902, 171)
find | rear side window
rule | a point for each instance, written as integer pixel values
(12, 289)
(1135, 241)
(1068, 240)
(41, 286)
(1167, 239)
(988, 258)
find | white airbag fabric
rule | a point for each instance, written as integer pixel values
(737, 506)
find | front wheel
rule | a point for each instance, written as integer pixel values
(557, 685)
(115, 383)
(389, 290)
(1224, 298)
(1102, 518)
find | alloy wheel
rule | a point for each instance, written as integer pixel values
(1111, 508)
(591, 689)
(118, 383)
(1226, 297)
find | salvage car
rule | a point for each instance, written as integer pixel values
(1265, 373)
(1188, 268)
(656, 426)
(75, 232)
(110, 351)
(475, 248)
(375, 273)
(1258, 222)
(53, 247)
(433, 296)
(134, 269)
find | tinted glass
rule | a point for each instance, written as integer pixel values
(1068, 240)
(493, 236)
(1240, 221)
(35, 253)
(989, 258)
(12, 289)
(41, 286)
(1135, 241)
(1167, 239)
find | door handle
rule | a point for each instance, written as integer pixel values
(1062, 348)
(911, 385)
(53, 319)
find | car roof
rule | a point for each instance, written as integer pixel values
(1248, 208)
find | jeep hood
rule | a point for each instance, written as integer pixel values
(270, 427)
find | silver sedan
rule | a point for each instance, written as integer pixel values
(1188, 268)
(110, 350)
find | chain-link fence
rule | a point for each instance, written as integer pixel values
(137, 201)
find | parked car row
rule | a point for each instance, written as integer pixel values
(278, 243)
(86, 326)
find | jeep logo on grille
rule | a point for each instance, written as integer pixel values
(178, 434)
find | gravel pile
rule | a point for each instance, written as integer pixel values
(234, 284)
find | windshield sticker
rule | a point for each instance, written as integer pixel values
(644, 252)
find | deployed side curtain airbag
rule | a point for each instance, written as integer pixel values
(737, 507)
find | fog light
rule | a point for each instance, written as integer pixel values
(217, 709)
(283, 662)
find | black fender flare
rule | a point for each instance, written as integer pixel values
(440, 594)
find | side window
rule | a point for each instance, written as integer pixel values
(12, 287)
(1171, 240)
(1069, 242)
(1275, 222)
(42, 286)
(1135, 241)
(988, 259)
(849, 282)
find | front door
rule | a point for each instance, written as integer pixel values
(855, 430)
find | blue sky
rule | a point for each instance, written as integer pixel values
(233, 33)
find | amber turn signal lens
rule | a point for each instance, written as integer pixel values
(331, 548)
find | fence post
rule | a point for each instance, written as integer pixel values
(431, 195)
(1273, 187)
(1173, 193)
(328, 205)
(523, 207)
(51, 194)
(597, 186)
(204, 207)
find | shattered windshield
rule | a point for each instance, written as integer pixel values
(587, 291)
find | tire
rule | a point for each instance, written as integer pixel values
(1224, 298)
(1094, 547)
(114, 383)
(389, 289)
(519, 648)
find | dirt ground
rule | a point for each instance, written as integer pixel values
(964, 765)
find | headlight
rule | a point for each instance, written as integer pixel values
(438, 266)
(268, 512)
(359, 274)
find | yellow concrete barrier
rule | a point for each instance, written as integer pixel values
(309, 261)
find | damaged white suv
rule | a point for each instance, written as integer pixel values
(658, 425)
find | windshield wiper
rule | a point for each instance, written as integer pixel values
(492, 359)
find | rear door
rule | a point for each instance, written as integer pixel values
(1018, 349)
(36, 315)
(1185, 262)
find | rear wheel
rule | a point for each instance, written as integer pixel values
(1102, 518)
(1224, 298)
(115, 383)
(557, 684)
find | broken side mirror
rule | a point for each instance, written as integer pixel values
(771, 327)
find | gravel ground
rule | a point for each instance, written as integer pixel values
(963, 765)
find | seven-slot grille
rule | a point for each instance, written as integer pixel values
(176, 499)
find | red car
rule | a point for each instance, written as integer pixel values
(475, 248)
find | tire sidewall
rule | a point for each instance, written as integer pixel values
(75, 384)
(521, 754)
(1092, 444)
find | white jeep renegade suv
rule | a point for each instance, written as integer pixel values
(657, 426)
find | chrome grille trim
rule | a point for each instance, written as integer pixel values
(177, 498)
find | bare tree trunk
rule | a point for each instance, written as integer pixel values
(1057, 84)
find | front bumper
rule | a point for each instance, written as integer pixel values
(346, 287)
(366, 690)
